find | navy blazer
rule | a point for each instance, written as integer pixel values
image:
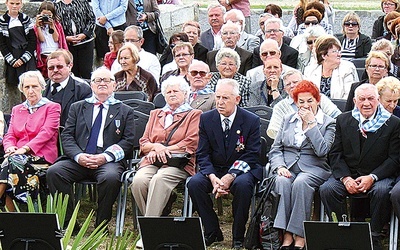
(211, 153)
(379, 155)
(75, 136)
(207, 39)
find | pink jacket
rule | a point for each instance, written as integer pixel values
(39, 131)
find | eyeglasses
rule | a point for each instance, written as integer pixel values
(131, 40)
(226, 33)
(201, 73)
(347, 24)
(335, 51)
(311, 22)
(388, 4)
(375, 66)
(182, 55)
(273, 31)
(269, 53)
(51, 68)
(309, 42)
(261, 23)
(98, 80)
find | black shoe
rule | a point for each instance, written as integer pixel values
(299, 248)
(237, 244)
(214, 237)
(286, 248)
(168, 207)
(377, 242)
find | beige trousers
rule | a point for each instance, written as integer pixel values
(152, 186)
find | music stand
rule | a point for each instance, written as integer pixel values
(34, 231)
(338, 236)
(173, 233)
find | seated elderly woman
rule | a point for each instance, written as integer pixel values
(171, 129)
(132, 77)
(332, 75)
(31, 138)
(228, 63)
(299, 158)
(389, 94)
(354, 43)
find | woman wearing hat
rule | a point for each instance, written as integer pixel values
(387, 6)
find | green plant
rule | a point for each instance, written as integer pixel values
(121, 242)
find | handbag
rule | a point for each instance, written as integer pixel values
(161, 41)
(179, 160)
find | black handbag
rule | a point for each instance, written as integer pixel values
(161, 42)
(179, 160)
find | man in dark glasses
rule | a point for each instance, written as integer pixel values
(62, 87)
(201, 97)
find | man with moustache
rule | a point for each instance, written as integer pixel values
(211, 38)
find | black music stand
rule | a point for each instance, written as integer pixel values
(33, 231)
(173, 233)
(338, 236)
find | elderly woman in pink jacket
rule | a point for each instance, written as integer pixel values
(31, 139)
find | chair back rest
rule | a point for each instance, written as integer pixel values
(140, 121)
(126, 95)
(262, 111)
(359, 62)
(340, 103)
(159, 101)
(139, 105)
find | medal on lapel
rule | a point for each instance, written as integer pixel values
(117, 124)
(240, 142)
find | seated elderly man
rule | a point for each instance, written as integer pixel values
(287, 106)
(228, 156)
(228, 62)
(230, 34)
(201, 96)
(269, 91)
(247, 41)
(269, 49)
(98, 136)
(364, 159)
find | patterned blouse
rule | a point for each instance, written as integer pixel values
(244, 85)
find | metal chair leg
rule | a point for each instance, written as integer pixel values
(394, 230)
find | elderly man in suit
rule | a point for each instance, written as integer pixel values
(227, 155)
(274, 30)
(247, 41)
(61, 87)
(211, 38)
(364, 159)
(230, 33)
(201, 97)
(98, 136)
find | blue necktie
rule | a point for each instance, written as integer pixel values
(91, 146)
(226, 131)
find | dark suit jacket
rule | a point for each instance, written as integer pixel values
(207, 39)
(211, 153)
(75, 90)
(77, 129)
(288, 56)
(200, 53)
(246, 59)
(363, 46)
(379, 156)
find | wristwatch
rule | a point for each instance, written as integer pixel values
(234, 175)
(311, 122)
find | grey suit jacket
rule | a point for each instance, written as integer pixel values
(311, 156)
(207, 39)
(204, 102)
(248, 41)
(77, 129)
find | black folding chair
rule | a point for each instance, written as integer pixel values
(126, 95)
(262, 111)
(139, 105)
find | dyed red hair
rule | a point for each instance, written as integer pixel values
(306, 87)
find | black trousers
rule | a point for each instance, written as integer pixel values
(83, 59)
(101, 40)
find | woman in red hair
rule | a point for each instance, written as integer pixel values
(299, 158)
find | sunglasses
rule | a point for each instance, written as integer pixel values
(347, 24)
(269, 53)
(309, 42)
(56, 66)
(201, 73)
(311, 22)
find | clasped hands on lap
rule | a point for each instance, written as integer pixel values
(221, 186)
(91, 161)
(359, 185)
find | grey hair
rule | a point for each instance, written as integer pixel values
(102, 69)
(291, 72)
(363, 87)
(269, 40)
(382, 43)
(274, 20)
(239, 15)
(216, 5)
(32, 73)
(176, 80)
(138, 30)
(230, 24)
(315, 31)
(229, 53)
(231, 82)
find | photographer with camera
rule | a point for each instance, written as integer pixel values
(49, 35)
